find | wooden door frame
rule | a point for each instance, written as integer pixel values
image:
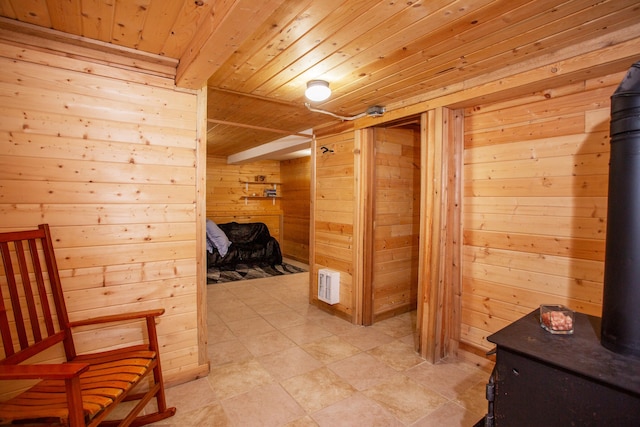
(439, 274)
(368, 191)
(439, 264)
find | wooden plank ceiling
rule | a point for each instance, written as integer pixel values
(256, 56)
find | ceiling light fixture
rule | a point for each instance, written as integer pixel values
(317, 90)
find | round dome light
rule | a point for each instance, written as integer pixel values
(317, 90)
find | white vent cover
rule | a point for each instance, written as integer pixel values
(329, 286)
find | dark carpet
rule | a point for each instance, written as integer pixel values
(247, 272)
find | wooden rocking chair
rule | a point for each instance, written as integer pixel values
(85, 389)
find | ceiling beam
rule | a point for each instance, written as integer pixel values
(265, 129)
(282, 146)
(227, 26)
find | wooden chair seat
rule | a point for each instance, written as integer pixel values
(88, 387)
(108, 379)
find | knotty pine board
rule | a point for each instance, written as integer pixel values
(534, 207)
(396, 214)
(296, 208)
(333, 218)
(107, 157)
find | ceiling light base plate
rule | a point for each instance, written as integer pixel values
(375, 111)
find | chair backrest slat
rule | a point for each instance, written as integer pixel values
(42, 290)
(26, 287)
(14, 297)
(28, 282)
(5, 329)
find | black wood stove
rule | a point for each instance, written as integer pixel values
(541, 379)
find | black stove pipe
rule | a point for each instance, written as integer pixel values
(621, 296)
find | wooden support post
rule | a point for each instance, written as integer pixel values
(438, 276)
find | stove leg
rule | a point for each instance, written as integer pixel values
(490, 393)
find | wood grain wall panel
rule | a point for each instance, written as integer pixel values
(586, 207)
(89, 214)
(546, 147)
(534, 210)
(119, 275)
(296, 208)
(333, 219)
(109, 162)
(552, 245)
(396, 215)
(226, 191)
(92, 148)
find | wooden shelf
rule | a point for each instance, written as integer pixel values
(265, 184)
(261, 197)
(260, 182)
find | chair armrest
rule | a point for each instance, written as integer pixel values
(59, 371)
(118, 317)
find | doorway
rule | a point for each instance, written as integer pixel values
(393, 235)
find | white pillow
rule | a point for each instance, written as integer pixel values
(215, 236)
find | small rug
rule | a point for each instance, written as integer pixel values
(247, 272)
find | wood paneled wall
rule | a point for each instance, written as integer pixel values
(534, 215)
(333, 213)
(226, 191)
(396, 212)
(107, 156)
(296, 184)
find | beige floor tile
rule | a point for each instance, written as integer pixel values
(213, 320)
(289, 363)
(330, 349)
(362, 371)
(207, 416)
(317, 389)
(245, 289)
(398, 355)
(305, 421)
(285, 319)
(191, 396)
(411, 339)
(474, 399)
(448, 379)
(267, 343)
(405, 399)
(227, 351)
(236, 378)
(270, 307)
(306, 333)
(268, 406)
(336, 325)
(261, 301)
(215, 291)
(236, 313)
(301, 307)
(356, 410)
(397, 327)
(250, 326)
(448, 415)
(366, 338)
(220, 333)
(222, 297)
(225, 301)
(293, 297)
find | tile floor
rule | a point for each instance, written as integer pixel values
(278, 361)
